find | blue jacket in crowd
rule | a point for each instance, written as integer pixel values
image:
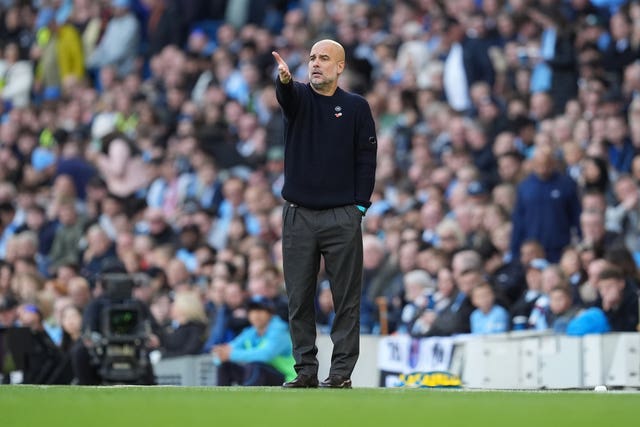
(546, 211)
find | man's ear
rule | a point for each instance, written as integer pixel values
(341, 65)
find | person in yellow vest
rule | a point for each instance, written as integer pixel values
(59, 53)
(261, 355)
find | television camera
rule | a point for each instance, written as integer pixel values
(117, 349)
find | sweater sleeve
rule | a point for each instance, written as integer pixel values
(517, 233)
(288, 96)
(366, 148)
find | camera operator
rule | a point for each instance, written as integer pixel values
(88, 354)
(43, 361)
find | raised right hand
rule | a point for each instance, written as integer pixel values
(283, 69)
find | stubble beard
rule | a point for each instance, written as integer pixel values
(320, 83)
(317, 82)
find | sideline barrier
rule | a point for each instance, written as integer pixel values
(186, 370)
(520, 360)
(530, 360)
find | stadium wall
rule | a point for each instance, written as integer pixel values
(519, 360)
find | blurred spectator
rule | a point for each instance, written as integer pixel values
(231, 319)
(620, 52)
(79, 292)
(467, 273)
(43, 360)
(488, 317)
(521, 310)
(71, 322)
(594, 233)
(574, 272)
(37, 222)
(552, 277)
(547, 208)
(261, 355)
(419, 292)
(626, 214)
(439, 301)
(378, 269)
(619, 300)
(65, 247)
(122, 167)
(619, 148)
(590, 321)
(178, 276)
(119, 44)
(189, 239)
(269, 283)
(561, 309)
(160, 307)
(100, 249)
(17, 77)
(556, 72)
(189, 320)
(161, 28)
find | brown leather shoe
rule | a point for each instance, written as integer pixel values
(302, 381)
(336, 381)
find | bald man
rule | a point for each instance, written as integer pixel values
(330, 162)
(547, 207)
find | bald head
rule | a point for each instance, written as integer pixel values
(543, 162)
(335, 47)
(326, 63)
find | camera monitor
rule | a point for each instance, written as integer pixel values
(123, 321)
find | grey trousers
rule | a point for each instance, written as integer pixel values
(336, 236)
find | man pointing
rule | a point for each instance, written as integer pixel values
(330, 162)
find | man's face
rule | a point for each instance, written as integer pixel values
(326, 63)
(468, 280)
(592, 228)
(508, 168)
(67, 214)
(543, 166)
(610, 291)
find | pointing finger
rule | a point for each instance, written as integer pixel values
(278, 58)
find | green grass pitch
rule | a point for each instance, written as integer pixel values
(30, 406)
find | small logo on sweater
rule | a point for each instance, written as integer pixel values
(555, 194)
(338, 111)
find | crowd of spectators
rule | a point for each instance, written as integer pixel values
(507, 185)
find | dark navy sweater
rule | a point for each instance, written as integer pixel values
(547, 211)
(330, 147)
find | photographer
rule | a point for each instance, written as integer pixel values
(115, 320)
